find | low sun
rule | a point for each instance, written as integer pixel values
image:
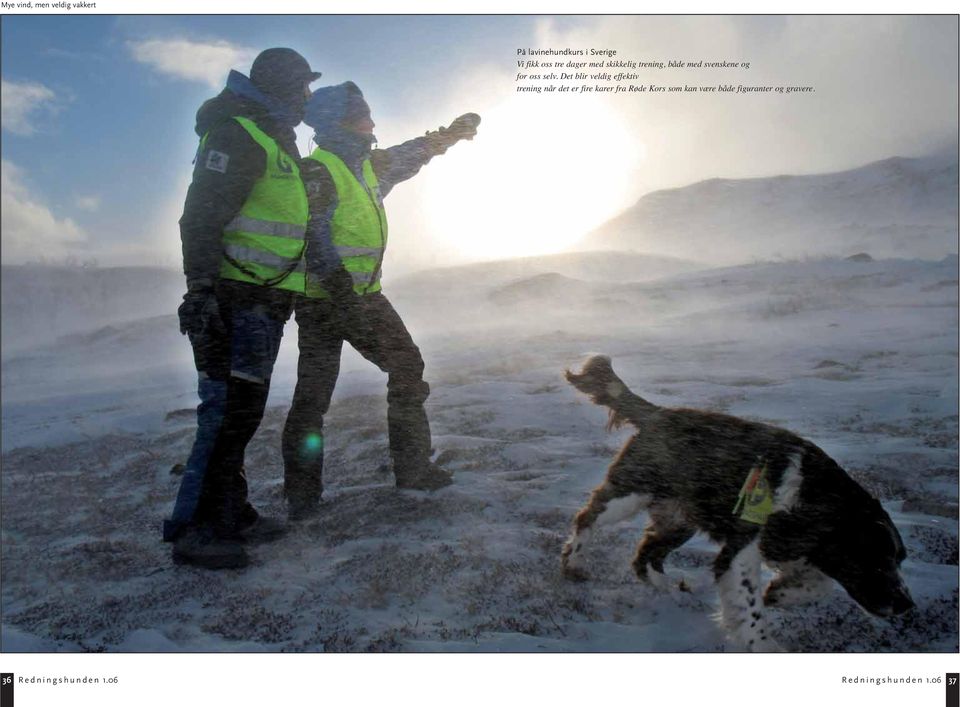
(543, 171)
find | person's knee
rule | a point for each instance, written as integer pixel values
(304, 426)
(406, 365)
(255, 342)
(415, 391)
(246, 402)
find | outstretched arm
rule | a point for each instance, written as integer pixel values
(397, 164)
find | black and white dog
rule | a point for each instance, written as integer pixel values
(694, 470)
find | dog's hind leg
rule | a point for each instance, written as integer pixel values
(608, 505)
(666, 532)
(737, 571)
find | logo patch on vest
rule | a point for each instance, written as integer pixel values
(217, 161)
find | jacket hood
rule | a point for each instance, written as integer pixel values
(241, 97)
(223, 107)
(327, 109)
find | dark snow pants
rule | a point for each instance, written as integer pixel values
(373, 327)
(234, 372)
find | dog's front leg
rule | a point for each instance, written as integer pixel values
(607, 505)
(737, 570)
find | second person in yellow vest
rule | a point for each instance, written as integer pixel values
(346, 181)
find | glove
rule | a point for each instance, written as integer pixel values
(200, 314)
(339, 284)
(463, 128)
(346, 306)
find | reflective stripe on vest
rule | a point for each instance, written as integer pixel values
(253, 255)
(265, 228)
(358, 228)
(346, 251)
(264, 243)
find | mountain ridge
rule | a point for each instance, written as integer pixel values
(894, 207)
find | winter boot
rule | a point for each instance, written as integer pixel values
(200, 547)
(300, 511)
(254, 528)
(429, 477)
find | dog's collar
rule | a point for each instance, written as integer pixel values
(755, 501)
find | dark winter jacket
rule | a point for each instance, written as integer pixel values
(219, 191)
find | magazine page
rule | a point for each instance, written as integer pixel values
(565, 355)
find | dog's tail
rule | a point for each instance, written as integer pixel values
(604, 387)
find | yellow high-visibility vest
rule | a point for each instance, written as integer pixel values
(359, 225)
(264, 243)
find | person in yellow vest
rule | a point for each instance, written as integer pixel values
(346, 182)
(242, 233)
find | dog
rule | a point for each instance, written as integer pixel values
(761, 492)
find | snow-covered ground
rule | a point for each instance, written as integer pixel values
(860, 357)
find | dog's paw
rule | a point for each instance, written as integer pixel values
(666, 583)
(658, 580)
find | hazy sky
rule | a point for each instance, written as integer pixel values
(98, 117)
